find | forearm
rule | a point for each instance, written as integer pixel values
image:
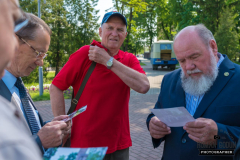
(135, 80)
(57, 101)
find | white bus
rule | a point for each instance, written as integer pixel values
(162, 54)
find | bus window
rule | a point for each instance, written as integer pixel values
(165, 46)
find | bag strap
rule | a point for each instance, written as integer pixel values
(75, 100)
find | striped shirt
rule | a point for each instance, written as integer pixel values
(192, 101)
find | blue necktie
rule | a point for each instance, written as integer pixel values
(31, 119)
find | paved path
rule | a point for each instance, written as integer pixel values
(139, 106)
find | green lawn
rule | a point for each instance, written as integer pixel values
(33, 88)
(142, 64)
(46, 96)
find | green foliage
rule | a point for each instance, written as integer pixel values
(226, 36)
(74, 24)
(34, 76)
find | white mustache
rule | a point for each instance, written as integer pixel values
(194, 71)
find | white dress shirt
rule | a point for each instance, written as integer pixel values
(10, 80)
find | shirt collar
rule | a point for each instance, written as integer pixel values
(9, 79)
(118, 56)
(221, 58)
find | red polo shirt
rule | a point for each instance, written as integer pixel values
(106, 120)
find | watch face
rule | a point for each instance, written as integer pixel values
(109, 63)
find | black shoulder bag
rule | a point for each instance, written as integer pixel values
(74, 102)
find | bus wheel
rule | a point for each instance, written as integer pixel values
(155, 67)
(173, 67)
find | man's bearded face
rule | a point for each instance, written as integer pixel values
(200, 85)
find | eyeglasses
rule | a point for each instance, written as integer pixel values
(40, 55)
(19, 25)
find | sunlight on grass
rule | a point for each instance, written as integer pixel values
(46, 95)
(33, 89)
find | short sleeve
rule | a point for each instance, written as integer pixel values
(135, 64)
(73, 69)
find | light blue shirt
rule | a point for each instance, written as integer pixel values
(192, 101)
(10, 80)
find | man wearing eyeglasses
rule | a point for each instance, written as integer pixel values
(15, 142)
(34, 41)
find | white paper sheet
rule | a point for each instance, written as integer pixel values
(173, 117)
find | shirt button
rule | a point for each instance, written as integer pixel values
(184, 140)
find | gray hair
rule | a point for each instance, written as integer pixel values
(29, 31)
(204, 34)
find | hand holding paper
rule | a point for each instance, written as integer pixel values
(173, 117)
(75, 113)
(158, 129)
(202, 130)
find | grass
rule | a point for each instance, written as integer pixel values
(142, 64)
(34, 93)
(46, 95)
(35, 96)
(47, 80)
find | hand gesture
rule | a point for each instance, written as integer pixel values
(158, 129)
(98, 55)
(202, 130)
(67, 130)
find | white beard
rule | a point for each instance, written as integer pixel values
(201, 85)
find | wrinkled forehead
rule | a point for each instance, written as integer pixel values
(116, 19)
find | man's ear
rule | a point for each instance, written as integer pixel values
(213, 46)
(100, 31)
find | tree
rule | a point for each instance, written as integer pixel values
(31, 6)
(226, 35)
(54, 14)
(73, 24)
(131, 9)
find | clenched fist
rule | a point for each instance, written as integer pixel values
(98, 55)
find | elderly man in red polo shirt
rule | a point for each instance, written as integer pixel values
(107, 92)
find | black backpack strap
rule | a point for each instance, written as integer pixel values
(75, 100)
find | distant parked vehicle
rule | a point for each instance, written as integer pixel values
(162, 54)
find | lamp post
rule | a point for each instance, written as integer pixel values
(40, 69)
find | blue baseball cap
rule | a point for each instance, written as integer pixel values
(109, 14)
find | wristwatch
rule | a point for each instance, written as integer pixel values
(110, 63)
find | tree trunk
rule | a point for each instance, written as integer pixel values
(129, 30)
(164, 31)
(58, 47)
